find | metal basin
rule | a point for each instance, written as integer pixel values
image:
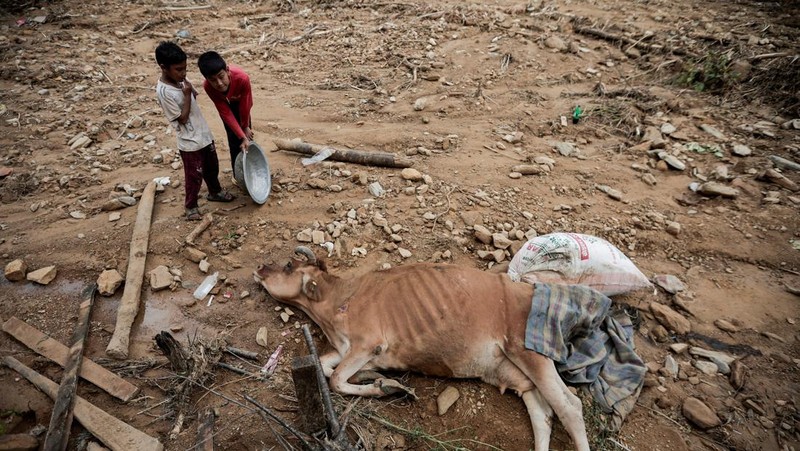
(257, 178)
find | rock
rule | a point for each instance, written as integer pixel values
(43, 276)
(500, 241)
(610, 192)
(317, 237)
(707, 368)
(204, 266)
(673, 228)
(740, 150)
(738, 375)
(194, 255)
(513, 138)
(712, 131)
(411, 174)
(678, 348)
(514, 175)
(717, 189)
(793, 124)
(725, 326)
(669, 283)
(653, 135)
(527, 169)
(80, 143)
(376, 189)
(721, 356)
(671, 366)
(670, 319)
(566, 149)
(304, 236)
(649, 178)
(317, 183)
(160, 278)
(420, 104)
(262, 337)
(668, 129)
(112, 204)
(15, 270)
(77, 214)
(672, 161)
(471, 218)
(405, 253)
(108, 282)
(128, 201)
(556, 43)
(699, 414)
(446, 399)
(18, 442)
(114, 216)
(482, 234)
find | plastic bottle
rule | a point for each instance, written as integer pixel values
(205, 287)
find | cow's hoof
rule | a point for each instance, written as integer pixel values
(392, 387)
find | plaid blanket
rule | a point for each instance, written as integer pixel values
(571, 325)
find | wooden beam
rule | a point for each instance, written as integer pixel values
(58, 353)
(383, 159)
(129, 304)
(306, 387)
(114, 433)
(61, 418)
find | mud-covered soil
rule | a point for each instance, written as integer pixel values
(466, 90)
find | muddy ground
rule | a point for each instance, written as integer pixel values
(441, 83)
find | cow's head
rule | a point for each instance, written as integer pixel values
(296, 282)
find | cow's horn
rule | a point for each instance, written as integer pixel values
(307, 253)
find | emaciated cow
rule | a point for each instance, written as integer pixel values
(440, 320)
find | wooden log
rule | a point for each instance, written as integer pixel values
(205, 431)
(199, 228)
(61, 418)
(306, 387)
(129, 304)
(382, 159)
(242, 353)
(635, 43)
(114, 433)
(58, 353)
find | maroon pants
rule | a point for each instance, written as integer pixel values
(198, 166)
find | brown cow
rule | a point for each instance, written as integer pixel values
(440, 320)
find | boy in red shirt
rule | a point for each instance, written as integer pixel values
(228, 86)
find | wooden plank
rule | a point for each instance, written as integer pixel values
(61, 418)
(306, 387)
(383, 159)
(129, 304)
(58, 353)
(114, 433)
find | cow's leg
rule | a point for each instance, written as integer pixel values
(542, 371)
(541, 418)
(329, 361)
(350, 364)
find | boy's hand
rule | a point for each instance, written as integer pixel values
(187, 87)
(245, 144)
(248, 133)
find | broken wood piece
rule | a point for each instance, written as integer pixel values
(307, 389)
(242, 353)
(61, 418)
(205, 431)
(58, 353)
(129, 304)
(382, 159)
(114, 433)
(324, 390)
(634, 43)
(236, 370)
(199, 228)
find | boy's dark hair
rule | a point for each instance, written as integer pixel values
(169, 53)
(210, 63)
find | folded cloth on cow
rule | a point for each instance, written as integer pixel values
(571, 324)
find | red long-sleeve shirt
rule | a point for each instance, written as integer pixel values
(239, 90)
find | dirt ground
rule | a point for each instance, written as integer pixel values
(441, 83)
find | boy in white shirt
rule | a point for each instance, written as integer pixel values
(195, 142)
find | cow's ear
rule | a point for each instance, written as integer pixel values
(321, 265)
(310, 288)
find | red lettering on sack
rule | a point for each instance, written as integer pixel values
(581, 245)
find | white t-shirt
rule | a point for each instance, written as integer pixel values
(194, 134)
